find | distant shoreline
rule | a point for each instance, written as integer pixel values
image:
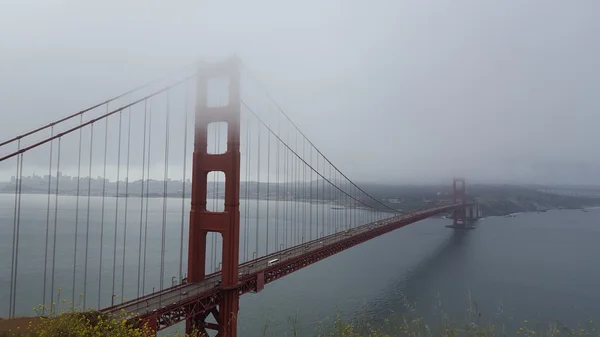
(335, 205)
(493, 201)
(500, 213)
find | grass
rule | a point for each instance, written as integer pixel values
(90, 324)
(73, 322)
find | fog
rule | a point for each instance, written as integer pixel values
(391, 91)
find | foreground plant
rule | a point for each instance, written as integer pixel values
(82, 324)
(73, 321)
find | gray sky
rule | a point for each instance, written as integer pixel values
(391, 91)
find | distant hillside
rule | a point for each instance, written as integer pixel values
(494, 199)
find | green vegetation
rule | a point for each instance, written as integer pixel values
(78, 325)
(93, 324)
(73, 322)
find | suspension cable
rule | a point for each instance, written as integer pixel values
(306, 163)
(303, 135)
(82, 112)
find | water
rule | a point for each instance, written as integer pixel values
(540, 267)
(139, 223)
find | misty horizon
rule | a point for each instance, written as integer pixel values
(392, 93)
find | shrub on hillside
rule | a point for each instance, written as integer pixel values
(82, 324)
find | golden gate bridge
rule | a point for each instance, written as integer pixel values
(197, 176)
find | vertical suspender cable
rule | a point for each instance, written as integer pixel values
(284, 199)
(257, 191)
(334, 215)
(102, 213)
(142, 199)
(126, 205)
(185, 121)
(291, 203)
(147, 198)
(47, 221)
(247, 204)
(268, 187)
(324, 198)
(346, 203)
(277, 196)
(304, 193)
(295, 197)
(77, 213)
(12, 260)
(310, 214)
(286, 191)
(17, 232)
(55, 227)
(87, 225)
(319, 202)
(165, 186)
(211, 235)
(116, 211)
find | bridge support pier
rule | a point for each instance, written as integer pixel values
(226, 223)
(226, 325)
(150, 325)
(473, 212)
(229, 307)
(197, 325)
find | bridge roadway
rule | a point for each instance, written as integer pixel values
(172, 296)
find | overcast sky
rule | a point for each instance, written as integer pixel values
(391, 91)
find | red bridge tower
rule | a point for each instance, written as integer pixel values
(459, 189)
(202, 221)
